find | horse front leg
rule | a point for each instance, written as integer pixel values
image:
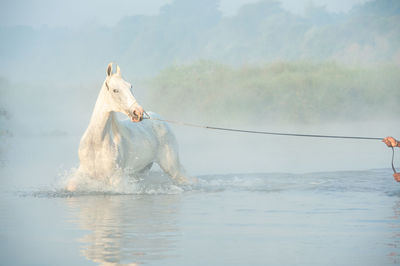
(168, 160)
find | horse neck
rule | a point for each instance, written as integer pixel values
(103, 123)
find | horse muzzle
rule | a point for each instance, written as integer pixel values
(137, 114)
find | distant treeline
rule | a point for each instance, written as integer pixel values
(280, 92)
(185, 31)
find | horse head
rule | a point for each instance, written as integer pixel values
(120, 95)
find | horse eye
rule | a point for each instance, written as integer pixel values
(115, 90)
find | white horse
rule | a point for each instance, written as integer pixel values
(110, 144)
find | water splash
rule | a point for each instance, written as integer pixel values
(121, 183)
(157, 183)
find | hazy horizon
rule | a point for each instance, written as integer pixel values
(53, 14)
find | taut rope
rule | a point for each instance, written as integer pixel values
(269, 133)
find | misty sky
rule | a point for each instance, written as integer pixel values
(74, 13)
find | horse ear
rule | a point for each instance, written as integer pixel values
(118, 71)
(109, 69)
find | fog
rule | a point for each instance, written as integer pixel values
(53, 65)
(59, 13)
(324, 67)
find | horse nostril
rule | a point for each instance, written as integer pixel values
(138, 114)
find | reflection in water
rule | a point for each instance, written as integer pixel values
(127, 229)
(336, 218)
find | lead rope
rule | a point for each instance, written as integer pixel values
(268, 133)
(394, 169)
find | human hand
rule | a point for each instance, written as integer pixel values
(397, 177)
(390, 142)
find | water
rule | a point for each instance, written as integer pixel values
(298, 218)
(334, 218)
